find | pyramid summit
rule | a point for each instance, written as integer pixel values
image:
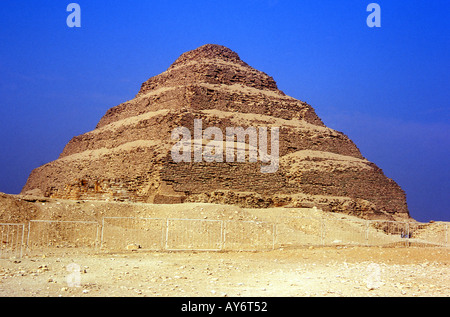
(128, 156)
(211, 64)
(213, 77)
(210, 51)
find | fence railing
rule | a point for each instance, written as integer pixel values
(194, 234)
(213, 235)
(62, 234)
(186, 234)
(118, 233)
(11, 239)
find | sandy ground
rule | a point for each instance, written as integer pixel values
(317, 272)
(289, 272)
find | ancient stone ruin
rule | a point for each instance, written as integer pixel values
(128, 156)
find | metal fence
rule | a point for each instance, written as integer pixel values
(122, 233)
(214, 235)
(299, 231)
(249, 235)
(194, 234)
(359, 232)
(119, 233)
(12, 236)
(428, 234)
(62, 234)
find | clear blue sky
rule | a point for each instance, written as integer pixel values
(387, 88)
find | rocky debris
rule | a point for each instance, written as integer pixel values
(133, 247)
(16, 209)
(307, 272)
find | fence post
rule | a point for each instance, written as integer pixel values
(101, 237)
(322, 227)
(221, 235)
(162, 236)
(274, 231)
(367, 232)
(23, 235)
(224, 239)
(28, 235)
(167, 233)
(446, 234)
(408, 234)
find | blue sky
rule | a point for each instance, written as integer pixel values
(387, 88)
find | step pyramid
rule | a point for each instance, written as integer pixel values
(129, 155)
